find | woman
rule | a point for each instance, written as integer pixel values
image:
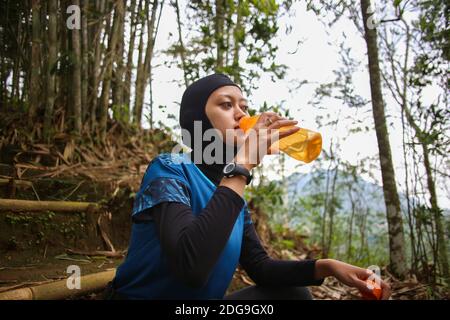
(191, 226)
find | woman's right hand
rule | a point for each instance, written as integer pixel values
(352, 276)
(259, 139)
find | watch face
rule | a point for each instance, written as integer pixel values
(229, 167)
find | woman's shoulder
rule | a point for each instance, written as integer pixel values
(170, 160)
(168, 165)
(164, 180)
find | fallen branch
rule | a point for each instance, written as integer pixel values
(7, 281)
(76, 188)
(58, 290)
(406, 289)
(33, 167)
(24, 284)
(18, 183)
(104, 235)
(109, 254)
(49, 171)
(62, 206)
(63, 158)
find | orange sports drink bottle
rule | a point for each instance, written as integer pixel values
(304, 145)
(376, 291)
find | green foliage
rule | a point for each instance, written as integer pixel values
(67, 229)
(39, 223)
(304, 215)
(288, 244)
(43, 219)
(430, 68)
(121, 113)
(253, 35)
(268, 197)
(433, 24)
(363, 244)
(12, 243)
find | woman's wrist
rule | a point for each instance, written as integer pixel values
(236, 183)
(242, 161)
(324, 268)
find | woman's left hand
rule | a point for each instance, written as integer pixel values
(352, 276)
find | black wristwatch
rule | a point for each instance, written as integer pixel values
(233, 169)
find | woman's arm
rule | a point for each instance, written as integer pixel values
(266, 271)
(350, 275)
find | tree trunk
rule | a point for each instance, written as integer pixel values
(182, 48)
(34, 80)
(362, 232)
(219, 34)
(118, 76)
(238, 38)
(110, 57)
(95, 63)
(140, 65)
(148, 69)
(51, 64)
(129, 68)
(85, 63)
(323, 241)
(332, 209)
(142, 76)
(350, 227)
(437, 213)
(3, 76)
(76, 78)
(15, 90)
(394, 217)
(64, 77)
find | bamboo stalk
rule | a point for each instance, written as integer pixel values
(58, 290)
(62, 206)
(18, 183)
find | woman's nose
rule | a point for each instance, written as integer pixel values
(239, 113)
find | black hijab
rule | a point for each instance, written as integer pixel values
(192, 109)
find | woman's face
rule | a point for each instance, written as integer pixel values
(224, 108)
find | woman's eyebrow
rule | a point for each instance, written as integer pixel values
(232, 98)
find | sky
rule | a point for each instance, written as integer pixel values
(314, 61)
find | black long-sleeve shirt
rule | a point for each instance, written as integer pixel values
(193, 244)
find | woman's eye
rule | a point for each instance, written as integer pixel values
(230, 105)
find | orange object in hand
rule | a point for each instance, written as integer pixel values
(248, 122)
(376, 291)
(304, 145)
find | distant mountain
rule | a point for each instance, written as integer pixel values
(371, 194)
(367, 196)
